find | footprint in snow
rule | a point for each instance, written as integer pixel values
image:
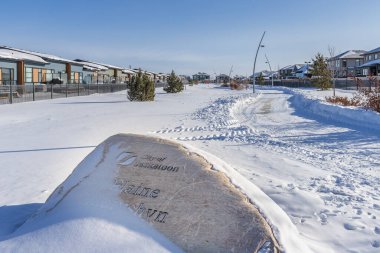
(375, 243)
(349, 226)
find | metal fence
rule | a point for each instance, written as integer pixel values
(340, 83)
(12, 93)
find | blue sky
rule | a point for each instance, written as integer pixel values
(190, 35)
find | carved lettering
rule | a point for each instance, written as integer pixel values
(140, 190)
(144, 192)
(154, 193)
(154, 166)
(136, 189)
(130, 189)
(153, 158)
(161, 217)
(140, 209)
(148, 212)
(156, 215)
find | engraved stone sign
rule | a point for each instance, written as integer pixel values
(180, 194)
(176, 191)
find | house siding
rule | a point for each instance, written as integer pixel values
(371, 70)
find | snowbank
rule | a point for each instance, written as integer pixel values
(308, 100)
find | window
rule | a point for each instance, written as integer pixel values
(370, 57)
(28, 75)
(6, 75)
(357, 62)
(375, 56)
(77, 77)
(344, 64)
(34, 75)
(47, 75)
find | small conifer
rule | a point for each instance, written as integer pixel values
(321, 73)
(175, 84)
(141, 88)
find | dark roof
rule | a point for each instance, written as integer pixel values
(370, 63)
(201, 73)
(376, 50)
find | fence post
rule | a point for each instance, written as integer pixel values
(67, 84)
(34, 92)
(10, 93)
(78, 89)
(51, 91)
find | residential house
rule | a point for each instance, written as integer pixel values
(164, 76)
(129, 73)
(105, 73)
(347, 63)
(201, 77)
(185, 79)
(303, 71)
(12, 63)
(152, 76)
(51, 67)
(289, 72)
(371, 65)
(265, 74)
(222, 78)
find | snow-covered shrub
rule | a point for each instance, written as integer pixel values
(366, 97)
(236, 86)
(372, 94)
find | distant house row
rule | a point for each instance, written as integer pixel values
(347, 64)
(21, 67)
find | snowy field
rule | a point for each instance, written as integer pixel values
(319, 163)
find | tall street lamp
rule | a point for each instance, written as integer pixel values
(270, 68)
(254, 64)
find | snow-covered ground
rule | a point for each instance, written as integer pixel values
(322, 169)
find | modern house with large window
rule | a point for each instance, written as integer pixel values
(12, 61)
(39, 68)
(371, 65)
(347, 63)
